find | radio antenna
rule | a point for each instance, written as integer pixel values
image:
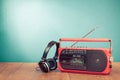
(86, 35)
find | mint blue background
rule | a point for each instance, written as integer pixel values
(26, 26)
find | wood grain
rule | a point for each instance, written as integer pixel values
(26, 71)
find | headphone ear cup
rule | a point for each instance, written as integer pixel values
(52, 63)
(44, 66)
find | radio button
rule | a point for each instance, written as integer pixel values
(110, 66)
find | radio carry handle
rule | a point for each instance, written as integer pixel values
(87, 40)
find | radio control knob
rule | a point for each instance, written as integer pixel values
(111, 59)
(110, 66)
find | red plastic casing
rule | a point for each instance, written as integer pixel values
(107, 51)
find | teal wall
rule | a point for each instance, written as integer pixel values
(26, 26)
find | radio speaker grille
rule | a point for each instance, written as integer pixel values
(96, 60)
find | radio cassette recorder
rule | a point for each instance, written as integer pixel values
(85, 60)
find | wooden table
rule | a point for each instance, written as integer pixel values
(26, 71)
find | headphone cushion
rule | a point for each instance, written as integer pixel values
(44, 66)
(52, 63)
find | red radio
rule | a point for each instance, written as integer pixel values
(83, 59)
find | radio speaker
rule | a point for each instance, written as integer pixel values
(96, 60)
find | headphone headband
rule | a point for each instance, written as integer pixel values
(50, 45)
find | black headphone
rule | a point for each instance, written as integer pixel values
(49, 64)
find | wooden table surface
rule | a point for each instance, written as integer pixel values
(26, 71)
